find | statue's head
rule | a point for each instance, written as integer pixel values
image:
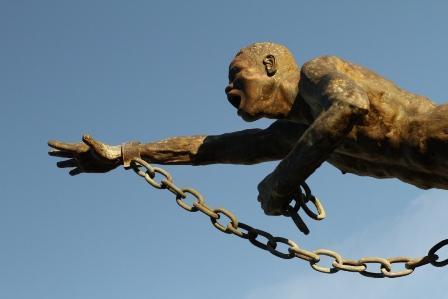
(263, 81)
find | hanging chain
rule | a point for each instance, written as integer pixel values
(301, 199)
(268, 242)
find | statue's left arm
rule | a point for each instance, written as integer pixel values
(343, 104)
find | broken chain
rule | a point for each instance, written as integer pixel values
(245, 231)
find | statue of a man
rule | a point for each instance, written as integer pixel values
(327, 110)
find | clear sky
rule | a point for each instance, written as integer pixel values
(145, 70)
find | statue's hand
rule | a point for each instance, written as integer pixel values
(271, 201)
(87, 156)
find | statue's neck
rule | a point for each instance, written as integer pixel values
(299, 110)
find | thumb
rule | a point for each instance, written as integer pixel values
(87, 139)
(97, 146)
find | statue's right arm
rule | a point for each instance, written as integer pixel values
(241, 147)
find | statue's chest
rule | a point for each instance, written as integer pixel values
(378, 169)
(373, 151)
(373, 144)
(360, 166)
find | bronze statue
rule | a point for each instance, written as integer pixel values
(327, 110)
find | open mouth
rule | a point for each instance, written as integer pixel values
(234, 99)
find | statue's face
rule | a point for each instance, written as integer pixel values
(250, 89)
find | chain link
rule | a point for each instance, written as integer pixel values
(337, 259)
(300, 200)
(432, 252)
(350, 265)
(384, 264)
(271, 242)
(394, 260)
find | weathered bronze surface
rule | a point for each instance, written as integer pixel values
(327, 110)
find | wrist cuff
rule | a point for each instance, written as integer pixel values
(130, 151)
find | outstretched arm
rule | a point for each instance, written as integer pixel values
(344, 104)
(242, 147)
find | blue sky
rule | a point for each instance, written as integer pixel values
(146, 70)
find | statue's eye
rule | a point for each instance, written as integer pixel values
(232, 73)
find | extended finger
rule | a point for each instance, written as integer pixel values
(67, 163)
(75, 171)
(61, 154)
(72, 147)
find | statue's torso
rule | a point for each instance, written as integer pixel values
(402, 136)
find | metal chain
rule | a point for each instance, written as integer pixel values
(270, 242)
(301, 199)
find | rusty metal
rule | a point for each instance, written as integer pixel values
(337, 257)
(301, 199)
(180, 200)
(384, 264)
(434, 249)
(232, 226)
(272, 247)
(319, 207)
(395, 260)
(350, 265)
(271, 242)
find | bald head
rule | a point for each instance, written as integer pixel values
(263, 81)
(267, 53)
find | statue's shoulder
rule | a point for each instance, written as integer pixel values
(328, 62)
(322, 65)
(324, 59)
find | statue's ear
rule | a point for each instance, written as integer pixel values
(270, 65)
